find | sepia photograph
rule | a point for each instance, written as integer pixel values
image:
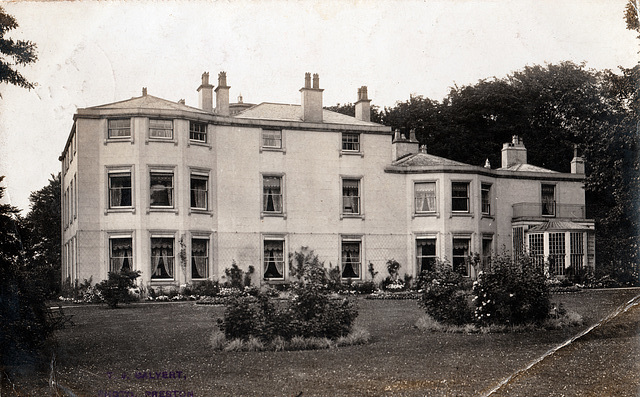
(319, 198)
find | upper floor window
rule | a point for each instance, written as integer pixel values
(199, 257)
(198, 131)
(199, 191)
(350, 142)
(119, 128)
(548, 200)
(272, 139)
(120, 189)
(351, 197)
(160, 129)
(273, 257)
(120, 254)
(162, 259)
(460, 196)
(425, 197)
(161, 189)
(272, 194)
(486, 198)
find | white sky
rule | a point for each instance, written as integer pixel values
(92, 53)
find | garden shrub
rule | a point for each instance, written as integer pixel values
(513, 293)
(116, 288)
(445, 295)
(234, 276)
(206, 288)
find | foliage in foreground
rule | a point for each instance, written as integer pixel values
(512, 293)
(115, 290)
(311, 313)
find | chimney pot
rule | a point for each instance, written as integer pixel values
(144, 91)
(222, 79)
(316, 81)
(307, 80)
(205, 78)
(181, 101)
(222, 95)
(205, 94)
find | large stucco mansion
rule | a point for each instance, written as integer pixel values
(180, 193)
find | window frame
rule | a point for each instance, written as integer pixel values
(165, 236)
(121, 236)
(548, 212)
(350, 239)
(280, 238)
(202, 175)
(360, 197)
(485, 198)
(150, 128)
(467, 266)
(116, 138)
(263, 195)
(270, 148)
(486, 259)
(120, 170)
(207, 239)
(433, 212)
(419, 258)
(467, 198)
(557, 253)
(192, 131)
(535, 243)
(173, 197)
(357, 143)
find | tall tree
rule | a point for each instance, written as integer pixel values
(14, 53)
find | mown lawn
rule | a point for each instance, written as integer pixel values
(400, 360)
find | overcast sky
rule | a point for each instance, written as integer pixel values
(92, 53)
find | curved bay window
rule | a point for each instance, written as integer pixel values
(274, 259)
(199, 258)
(351, 259)
(460, 196)
(120, 254)
(272, 194)
(162, 258)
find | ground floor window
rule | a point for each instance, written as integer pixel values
(120, 254)
(162, 257)
(577, 252)
(425, 254)
(273, 259)
(199, 257)
(536, 248)
(351, 260)
(460, 255)
(487, 250)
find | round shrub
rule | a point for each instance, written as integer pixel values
(445, 296)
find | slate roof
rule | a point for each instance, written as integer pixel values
(557, 225)
(424, 159)
(148, 102)
(279, 111)
(526, 168)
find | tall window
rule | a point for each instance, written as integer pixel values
(351, 260)
(120, 254)
(548, 200)
(576, 243)
(350, 142)
(162, 129)
(162, 257)
(273, 257)
(120, 189)
(120, 128)
(72, 202)
(351, 196)
(198, 131)
(487, 250)
(161, 189)
(460, 255)
(425, 196)
(460, 196)
(272, 139)
(199, 191)
(536, 248)
(199, 257)
(518, 242)
(486, 198)
(426, 254)
(272, 194)
(556, 253)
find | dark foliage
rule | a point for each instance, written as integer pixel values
(115, 290)
(446, 295)
(14, 53)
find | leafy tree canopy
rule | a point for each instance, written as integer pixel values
(14, 53)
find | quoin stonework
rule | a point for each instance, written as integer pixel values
(180, 193)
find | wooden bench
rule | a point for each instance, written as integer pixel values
(58, 319)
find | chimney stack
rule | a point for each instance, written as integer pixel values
(205, 94)
(222, 95)
(402, 146)
(311, 99)
(363, 105)
(577, 163)
(514, 152)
